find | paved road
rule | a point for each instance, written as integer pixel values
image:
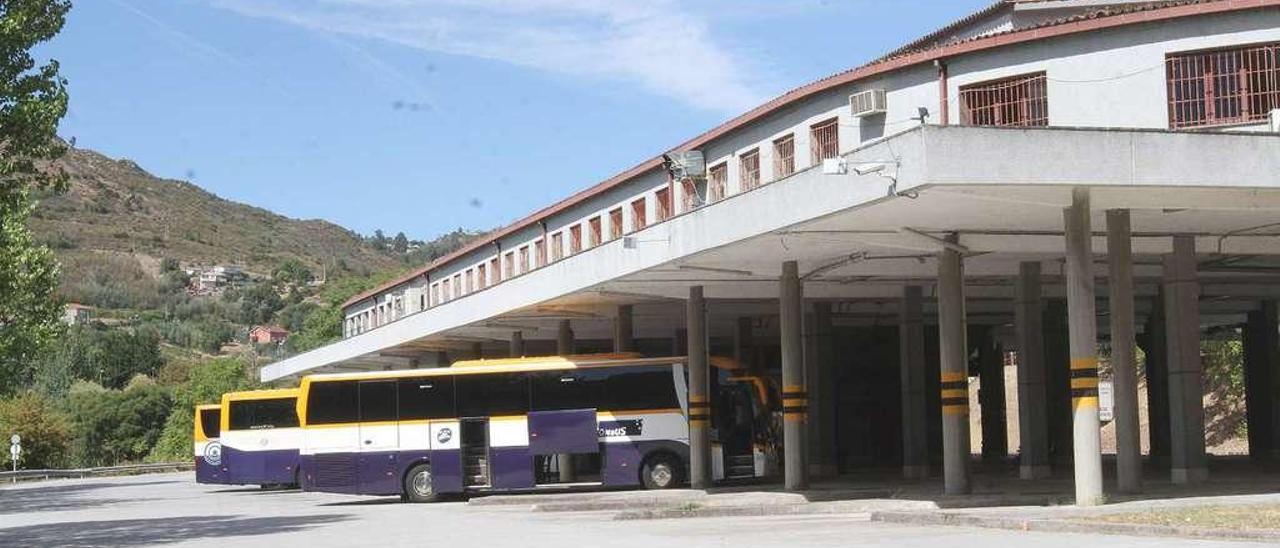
(171, 508)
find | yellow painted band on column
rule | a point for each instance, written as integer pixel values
(1084, 363)
(1085, 382)
(793, 388)
(1085, 402)
(955, 393)
(794, 401)
(950, 376)
(793, 417)
(955, 410)
(697, 399)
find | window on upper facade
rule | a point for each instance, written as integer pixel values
(494, 270)
(615, 224)
(718, 181)
(824, 141)
(1017, 101)
(1227, 86)
(575, 239)
(509, 265)
(482, 276)
(540, 253)
(471, 280)
(638, 220)
(690, 196)
(524, 259)
(457, 285)
(557, 246)
(435, 294)
(784, 156)
(594, 231)
(749, 170)
(663, 199)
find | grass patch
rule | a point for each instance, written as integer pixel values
(1262, 516)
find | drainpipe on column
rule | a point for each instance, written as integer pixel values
(944, 101)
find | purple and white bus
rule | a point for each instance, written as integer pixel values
(511, 425)
(260, 437)
(208, 450)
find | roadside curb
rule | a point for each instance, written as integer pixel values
(851, 508)
(1053, 525)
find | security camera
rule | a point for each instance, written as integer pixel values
(867, 170)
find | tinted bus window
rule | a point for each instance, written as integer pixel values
(426, 398)
(377, 401)
(492, 395)
(210, 422)
(634, 388)
(332, 402)
(272, 413)
(574, 389)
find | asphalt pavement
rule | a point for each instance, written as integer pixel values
(170, 509)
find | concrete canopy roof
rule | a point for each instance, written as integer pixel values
(861, 238)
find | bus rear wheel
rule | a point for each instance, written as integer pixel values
(418, 485)
(660, 471)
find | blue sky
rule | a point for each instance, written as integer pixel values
(428, 115)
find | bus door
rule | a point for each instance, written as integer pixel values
(563, 418)
(379, 438)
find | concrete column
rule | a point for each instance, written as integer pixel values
(1033, 411)
(1261, 356)
(915, 411)
(564, 338)
(564, 347)
(622, 330)
(1186, 387)
(821, 388)
(699, 396)
(1157, 369)
(794, 397)
(517, 344)
(995, 439)
(1123, 355)
(953, 351)
(1082, 332)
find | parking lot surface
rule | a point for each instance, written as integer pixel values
(171, 509)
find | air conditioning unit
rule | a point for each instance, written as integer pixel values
(1275, 120)
(869, 103)
(689, 164)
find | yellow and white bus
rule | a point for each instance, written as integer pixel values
(505, 425)
(260, 437)
(208, 450)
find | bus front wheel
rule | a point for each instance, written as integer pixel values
(660, 471)
(418, 484)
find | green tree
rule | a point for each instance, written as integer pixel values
(401, 243)
(32, 101)
(45, 431)
(124, 354)
(207, 384)
(258, 304)
(292, 272)
(116, 426)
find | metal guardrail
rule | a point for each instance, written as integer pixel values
(22, 475)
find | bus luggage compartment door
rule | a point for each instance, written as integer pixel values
(568, 431)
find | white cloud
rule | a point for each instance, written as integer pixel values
(655, 44)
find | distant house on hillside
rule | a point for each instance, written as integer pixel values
(76, 314)
(268, 334)
(215, 279)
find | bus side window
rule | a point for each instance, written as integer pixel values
(426, 398)
(332, 402)
(377, 401)
(637, 388)
(492, 395)
(573, 389)
(210, 422)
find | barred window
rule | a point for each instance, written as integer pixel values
(663, 199)
(824, 141)
(575, 239)
(718, 181)
(749, 170)
(596, 233)
(615, 224)
(557, 246)
(1229, 86)
(638, 218)
(1018, 101)
(784, 156)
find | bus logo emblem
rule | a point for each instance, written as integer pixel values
(213, 454)
(444, 435)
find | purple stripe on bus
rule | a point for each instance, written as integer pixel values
(622, 461)
(208, 473)
(510, 468)
(259, 467)
(569, 431)
(446, 470)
